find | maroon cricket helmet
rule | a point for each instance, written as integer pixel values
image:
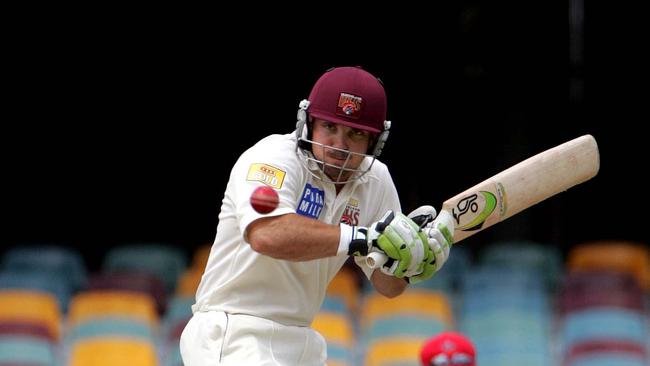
(350, 96)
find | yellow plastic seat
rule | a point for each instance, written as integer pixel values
(334, 328)
(345, 285)
(107, 303)
(337, 363)
(31, 307)
(392, 351)
(112, 352)
(413, 302)
(621, 256)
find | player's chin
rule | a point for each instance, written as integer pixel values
(336, 174)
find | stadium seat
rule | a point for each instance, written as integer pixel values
(112, 303)
(138, 282)
(164, 261)
(112, 352)
(51, 283)
(109, 327)
(598, 324)
(20, 350)
(589, 289)
(28, 330)
(335, 305)
(345, 285)
(589, 352)
(414, 302)
(339, 355)
(189, 282)
(200, 258)
(335, 328)
(526, 255)
(620, 256)
(408, 326)
(390, 352)
(31, 307)
(56, 261)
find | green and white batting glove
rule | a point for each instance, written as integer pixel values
(394, 235)
(440, 239)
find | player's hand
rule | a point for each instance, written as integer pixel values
(399, 238)
(440, 238)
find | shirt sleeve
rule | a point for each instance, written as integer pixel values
(263, 165)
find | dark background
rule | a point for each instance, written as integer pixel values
(124, 130)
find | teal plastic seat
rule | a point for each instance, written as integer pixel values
(51, 283)
(509, 357)
(339, 353)
(56, 261)
(164, 261)
(179, 311)
(334, 304)
(25, 350)
(110, 326)
(528, 255)
(403, 326)
(609, 360)
(604, 323)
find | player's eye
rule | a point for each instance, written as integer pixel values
(357, 134)
(329, 126)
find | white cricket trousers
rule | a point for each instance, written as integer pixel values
(216, 338)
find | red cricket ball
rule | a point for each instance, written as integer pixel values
(264, 199)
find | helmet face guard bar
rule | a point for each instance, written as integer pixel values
(303, 149)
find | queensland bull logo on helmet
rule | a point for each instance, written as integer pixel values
(349, 105)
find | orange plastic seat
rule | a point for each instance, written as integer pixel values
(189, 282)
(201, 255)
(31, 307)
(112, 303)
(112, 352)
(394, 351)
(620, 256)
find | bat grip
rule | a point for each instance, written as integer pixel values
(376, 260)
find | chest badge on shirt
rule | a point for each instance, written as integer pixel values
(351, 213)
(312, 201)
(267, 174)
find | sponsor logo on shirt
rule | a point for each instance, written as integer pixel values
(312, 201)
(267, 174)
(351, 213)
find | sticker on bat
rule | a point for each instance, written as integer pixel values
(471, 212)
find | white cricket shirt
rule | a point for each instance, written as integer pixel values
(239, 280)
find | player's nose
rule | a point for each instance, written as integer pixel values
(339, 140)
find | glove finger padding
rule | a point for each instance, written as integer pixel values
(422, 215)
(403, 241)
(441, 237)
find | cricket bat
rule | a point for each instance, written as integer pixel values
(517, 188)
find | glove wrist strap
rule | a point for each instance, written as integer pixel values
(352, 240)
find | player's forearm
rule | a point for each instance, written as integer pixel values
(386, 285)
(293, 237)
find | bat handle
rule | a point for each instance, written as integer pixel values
(376, 259)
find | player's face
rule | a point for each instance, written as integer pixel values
(339, 137)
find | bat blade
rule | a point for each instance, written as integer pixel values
(517, 188)
(523, 185)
